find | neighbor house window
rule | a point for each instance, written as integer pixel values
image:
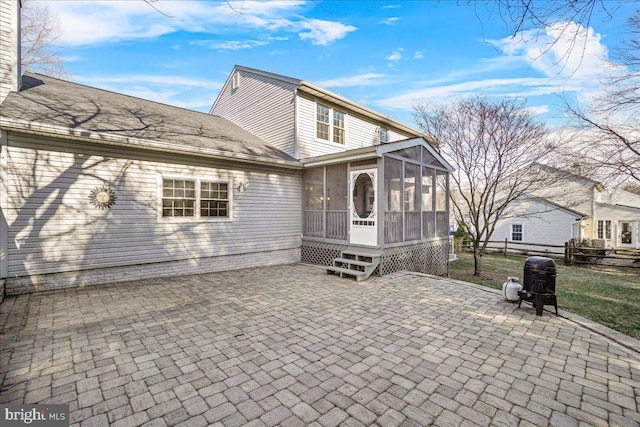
(330, 124)
(195, 199)
(235, 80)
(516, 232)
(604, 229)
(384, 135)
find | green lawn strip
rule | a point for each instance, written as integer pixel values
(611, 298)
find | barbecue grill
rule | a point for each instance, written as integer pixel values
(539, 285)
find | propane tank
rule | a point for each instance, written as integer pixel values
(510, 289)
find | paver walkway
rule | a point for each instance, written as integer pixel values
(291, 346)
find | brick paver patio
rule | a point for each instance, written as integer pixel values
(291, 346)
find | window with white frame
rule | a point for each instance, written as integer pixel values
(604, 229)
(383, 135)
(517, 232)
(235, 80)
(195, 199)
(338, 127)
(322, 122)
(330, 124)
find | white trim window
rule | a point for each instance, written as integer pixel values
(604, 229)
(330, 124)
(383, 135)
(235, 80)
(194, 199)
(338, 127)
(517, 232)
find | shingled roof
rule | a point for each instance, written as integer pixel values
(51, 106)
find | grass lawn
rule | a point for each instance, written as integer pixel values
(609, 297)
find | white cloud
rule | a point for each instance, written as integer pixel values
(418, 55)
(168, 80)
(390, 21)
(498, 87)
(540, 109)
(567, 53)
(395, 56)
(179, 91)
(559, 65)
(84, 23)
(229, 44)
(368, 79)
(323, 32)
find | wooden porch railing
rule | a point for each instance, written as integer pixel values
(337, 223)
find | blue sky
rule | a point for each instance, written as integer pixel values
(385, 55)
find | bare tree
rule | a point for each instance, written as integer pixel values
(494, 146)
(609, 127)
(39, 33)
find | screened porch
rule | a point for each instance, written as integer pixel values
(403, 189)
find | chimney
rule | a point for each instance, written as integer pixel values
(10, 70)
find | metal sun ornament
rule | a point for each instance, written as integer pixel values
(102, 197)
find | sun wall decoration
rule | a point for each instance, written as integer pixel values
(102, 197)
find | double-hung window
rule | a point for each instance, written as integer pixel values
(323, 122)
(517, 232)
(194, 199)
(338, 127)
(330, 124)
(604, 229)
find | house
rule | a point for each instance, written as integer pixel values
(369, 181)
(576, 207)
(99, 187)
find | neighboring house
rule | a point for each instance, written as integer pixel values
(576, 207)
(540, 223)
(99, 187)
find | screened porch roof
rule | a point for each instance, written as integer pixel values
(374, 151)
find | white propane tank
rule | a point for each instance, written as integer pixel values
(510, 289)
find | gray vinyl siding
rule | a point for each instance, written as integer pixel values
(9, 46)
(263, 106)
(53, 228)
(360, 131)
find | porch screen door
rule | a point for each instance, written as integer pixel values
(363, 215)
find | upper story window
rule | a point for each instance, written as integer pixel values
(323, 122)
(338, 127)
(330, 124)
(384, 135)
(185, 199)
(235, 80)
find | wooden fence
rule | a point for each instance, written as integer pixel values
(571, 253)
(525, 248)
(614, 257)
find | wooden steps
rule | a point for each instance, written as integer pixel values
(355, 263)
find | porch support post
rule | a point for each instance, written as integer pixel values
(324, 202)
(380, 200)
(403, 202)
(434, 185)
